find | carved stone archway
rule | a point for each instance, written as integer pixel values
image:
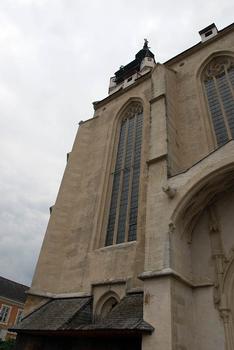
(204, 195)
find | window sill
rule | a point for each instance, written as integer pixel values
(117, 246)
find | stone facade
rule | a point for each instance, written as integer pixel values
(183, 258)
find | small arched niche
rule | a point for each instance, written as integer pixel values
(106, 304)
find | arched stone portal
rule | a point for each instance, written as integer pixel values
(202, 246)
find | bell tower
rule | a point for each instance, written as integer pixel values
(127, 75)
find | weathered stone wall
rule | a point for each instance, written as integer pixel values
(184, 249)
(173, 136)
(192, 119)
(73, 256)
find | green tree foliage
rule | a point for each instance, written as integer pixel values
(7, 345)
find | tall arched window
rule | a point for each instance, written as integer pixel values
(122, 220)
(218, 80)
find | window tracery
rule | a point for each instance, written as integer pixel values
(218, 80)
(122, 220)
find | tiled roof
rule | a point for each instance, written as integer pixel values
(12, 290)
(56, 314)
(75, 314)
(128, 314)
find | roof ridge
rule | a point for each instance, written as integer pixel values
(80, 309)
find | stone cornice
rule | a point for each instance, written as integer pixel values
(172, 273)
(57, 295)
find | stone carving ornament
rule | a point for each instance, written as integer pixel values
(135, 108)
(217, 66)
(224, 285)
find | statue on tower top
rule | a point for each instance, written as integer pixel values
(146, 44)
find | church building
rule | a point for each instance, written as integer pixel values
(139, 249)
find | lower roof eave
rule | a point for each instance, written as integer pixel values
(85, 332)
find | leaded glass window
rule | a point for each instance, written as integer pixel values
(218, 82)
(122, 220)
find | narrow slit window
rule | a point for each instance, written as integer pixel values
(218, 83)
(122, 219)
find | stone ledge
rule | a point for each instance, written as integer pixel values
(57, 295)
(170, 272)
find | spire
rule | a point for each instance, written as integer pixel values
(146, 47)
(144, 52)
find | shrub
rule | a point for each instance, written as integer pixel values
(7, 345)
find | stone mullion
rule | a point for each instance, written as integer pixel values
(222, 108)
(210, 114)
(130, 183)
(229, 81)
(232, 92)
(120, 184)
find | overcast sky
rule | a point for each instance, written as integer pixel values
(56, 57)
